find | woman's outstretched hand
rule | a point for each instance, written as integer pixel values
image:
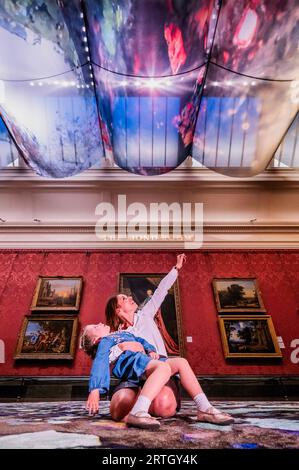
(180, 260)
(92, 404)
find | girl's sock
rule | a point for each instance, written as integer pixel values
(142, 404)
(202, 403)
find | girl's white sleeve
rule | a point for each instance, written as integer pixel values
(115, 352)
(152, 306)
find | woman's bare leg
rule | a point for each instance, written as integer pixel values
(165, 404)
(122, 402)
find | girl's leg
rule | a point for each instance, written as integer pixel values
(181, 366)
(205, 411)
(158, 373)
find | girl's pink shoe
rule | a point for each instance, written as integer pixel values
(143, 420)
(214, 416)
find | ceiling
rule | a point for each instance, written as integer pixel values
(145, 84)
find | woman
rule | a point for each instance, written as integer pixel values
(122, 313)
(98, 339)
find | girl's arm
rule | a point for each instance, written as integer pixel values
(99, 380)
(131, 346)
(92, 404)
(100, 372)
(118, 349)
(147, 346)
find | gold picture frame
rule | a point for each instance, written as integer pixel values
(238, 295)
(168, 318)
(57, 293)
(47, 337)
(248, 336)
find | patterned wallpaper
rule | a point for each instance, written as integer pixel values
(276, 271)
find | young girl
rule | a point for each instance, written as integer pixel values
(132, 365)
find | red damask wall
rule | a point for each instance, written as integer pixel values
(277, 272)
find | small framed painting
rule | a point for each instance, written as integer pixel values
(47, 337)
(249, 336)
(57, 293)
(238, 295)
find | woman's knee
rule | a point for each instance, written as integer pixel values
(122, 402)
(164, 405)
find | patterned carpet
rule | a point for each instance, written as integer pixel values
(54, 425)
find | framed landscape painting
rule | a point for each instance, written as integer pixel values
(57, 293)
(47, 337)
(238, 295)
(249, 336)
(168, 318)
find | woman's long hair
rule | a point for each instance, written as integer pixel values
(110, 312)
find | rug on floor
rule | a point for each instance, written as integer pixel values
(265, 425)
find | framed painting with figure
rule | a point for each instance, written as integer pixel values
(248, 336)
(238, 295)
(47, 337)
(57, 293)
(168, 317)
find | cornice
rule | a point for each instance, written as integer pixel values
(251, 228)
(82, 236)
(89, 227)
(109, 177)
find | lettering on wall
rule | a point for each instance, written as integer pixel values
(295, 354)
(2, 352)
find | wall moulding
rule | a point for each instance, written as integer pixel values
(82, 235)
(113, 176)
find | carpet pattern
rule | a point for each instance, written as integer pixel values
(268, 425)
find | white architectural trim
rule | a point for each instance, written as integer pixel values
(82, 236)
(66, 207)
(92, 178)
